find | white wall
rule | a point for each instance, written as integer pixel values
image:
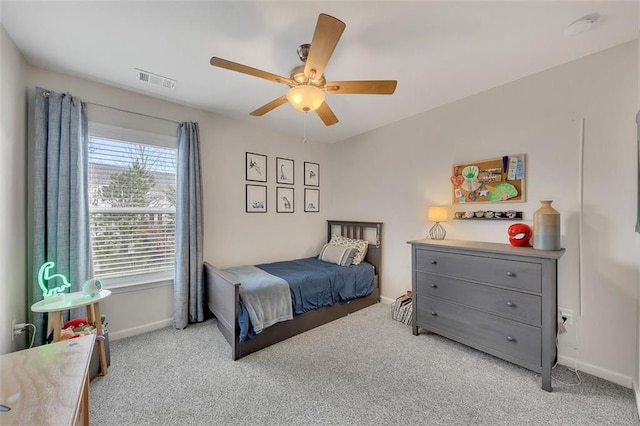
(232, 236)
(406, 166)
(12, 191)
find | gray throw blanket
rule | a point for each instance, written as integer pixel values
(266, 297)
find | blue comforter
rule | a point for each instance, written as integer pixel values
(314, 284)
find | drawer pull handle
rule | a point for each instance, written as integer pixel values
(434, 286)
(511, 304)
(435, 314)
(511, 274)
(434, 262)
(511, 339)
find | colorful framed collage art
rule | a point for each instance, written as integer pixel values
(495, 180)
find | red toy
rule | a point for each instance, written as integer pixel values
(519, 234)
(75, 323)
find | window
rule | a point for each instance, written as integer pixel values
(132, 201)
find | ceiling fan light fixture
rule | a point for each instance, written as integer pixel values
(307, 83)
(305, 98)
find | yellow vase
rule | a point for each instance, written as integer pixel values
(546, 227)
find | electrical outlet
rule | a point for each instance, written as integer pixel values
(565, 315)
(17, 328)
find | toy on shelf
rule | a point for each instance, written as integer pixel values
(519, 235)
(488, 215)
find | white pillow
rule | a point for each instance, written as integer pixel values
(342, 256)
(360, 245)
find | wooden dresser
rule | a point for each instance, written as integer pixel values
(493, 297)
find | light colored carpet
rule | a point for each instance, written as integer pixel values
(362, 369)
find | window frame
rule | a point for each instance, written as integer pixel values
(106, 131)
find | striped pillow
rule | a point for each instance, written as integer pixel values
(360, 245)
(342, 256)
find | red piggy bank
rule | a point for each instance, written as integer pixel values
(519, 234)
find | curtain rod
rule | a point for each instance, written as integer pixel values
(133, 112)
(46, 94)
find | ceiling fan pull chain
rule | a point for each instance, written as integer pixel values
(305, 127)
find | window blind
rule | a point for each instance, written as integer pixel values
(132, 207)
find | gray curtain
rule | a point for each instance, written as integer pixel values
(60, 194)
(188, 287)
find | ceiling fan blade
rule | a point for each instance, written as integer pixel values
(326, 115)
(365, 87)
(268, 107)
(325, 38)
(233, 66)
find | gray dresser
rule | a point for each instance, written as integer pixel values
(493, 297)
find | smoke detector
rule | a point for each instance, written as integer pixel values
(581, 25)
(148, 78)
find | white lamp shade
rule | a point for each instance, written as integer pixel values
(305, 97)
(438, 214)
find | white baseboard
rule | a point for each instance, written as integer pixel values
(386, 300)
(134, 331)
(603, 373)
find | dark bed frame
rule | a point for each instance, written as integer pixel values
(223, 297)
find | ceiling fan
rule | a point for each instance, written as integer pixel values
(307, 83)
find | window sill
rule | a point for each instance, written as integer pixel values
(138, 282)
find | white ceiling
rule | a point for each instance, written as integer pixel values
(438, 51)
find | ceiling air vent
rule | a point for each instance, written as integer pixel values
(146, 77)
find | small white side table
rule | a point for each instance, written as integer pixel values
(54, 306)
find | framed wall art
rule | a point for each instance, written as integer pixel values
(284, 202)
(256, 167)
(495, 180)
(284, 171)
(311, 200)
(311, 174)
(256, 198)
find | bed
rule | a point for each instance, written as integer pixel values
(223, 296)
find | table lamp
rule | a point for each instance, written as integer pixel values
(437, 214)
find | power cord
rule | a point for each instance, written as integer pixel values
(565, 383)
(33, 334)
(19, 328)
(562, 329)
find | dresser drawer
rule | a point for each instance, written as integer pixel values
(509, 273)
(512, 338)
(508, 303)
